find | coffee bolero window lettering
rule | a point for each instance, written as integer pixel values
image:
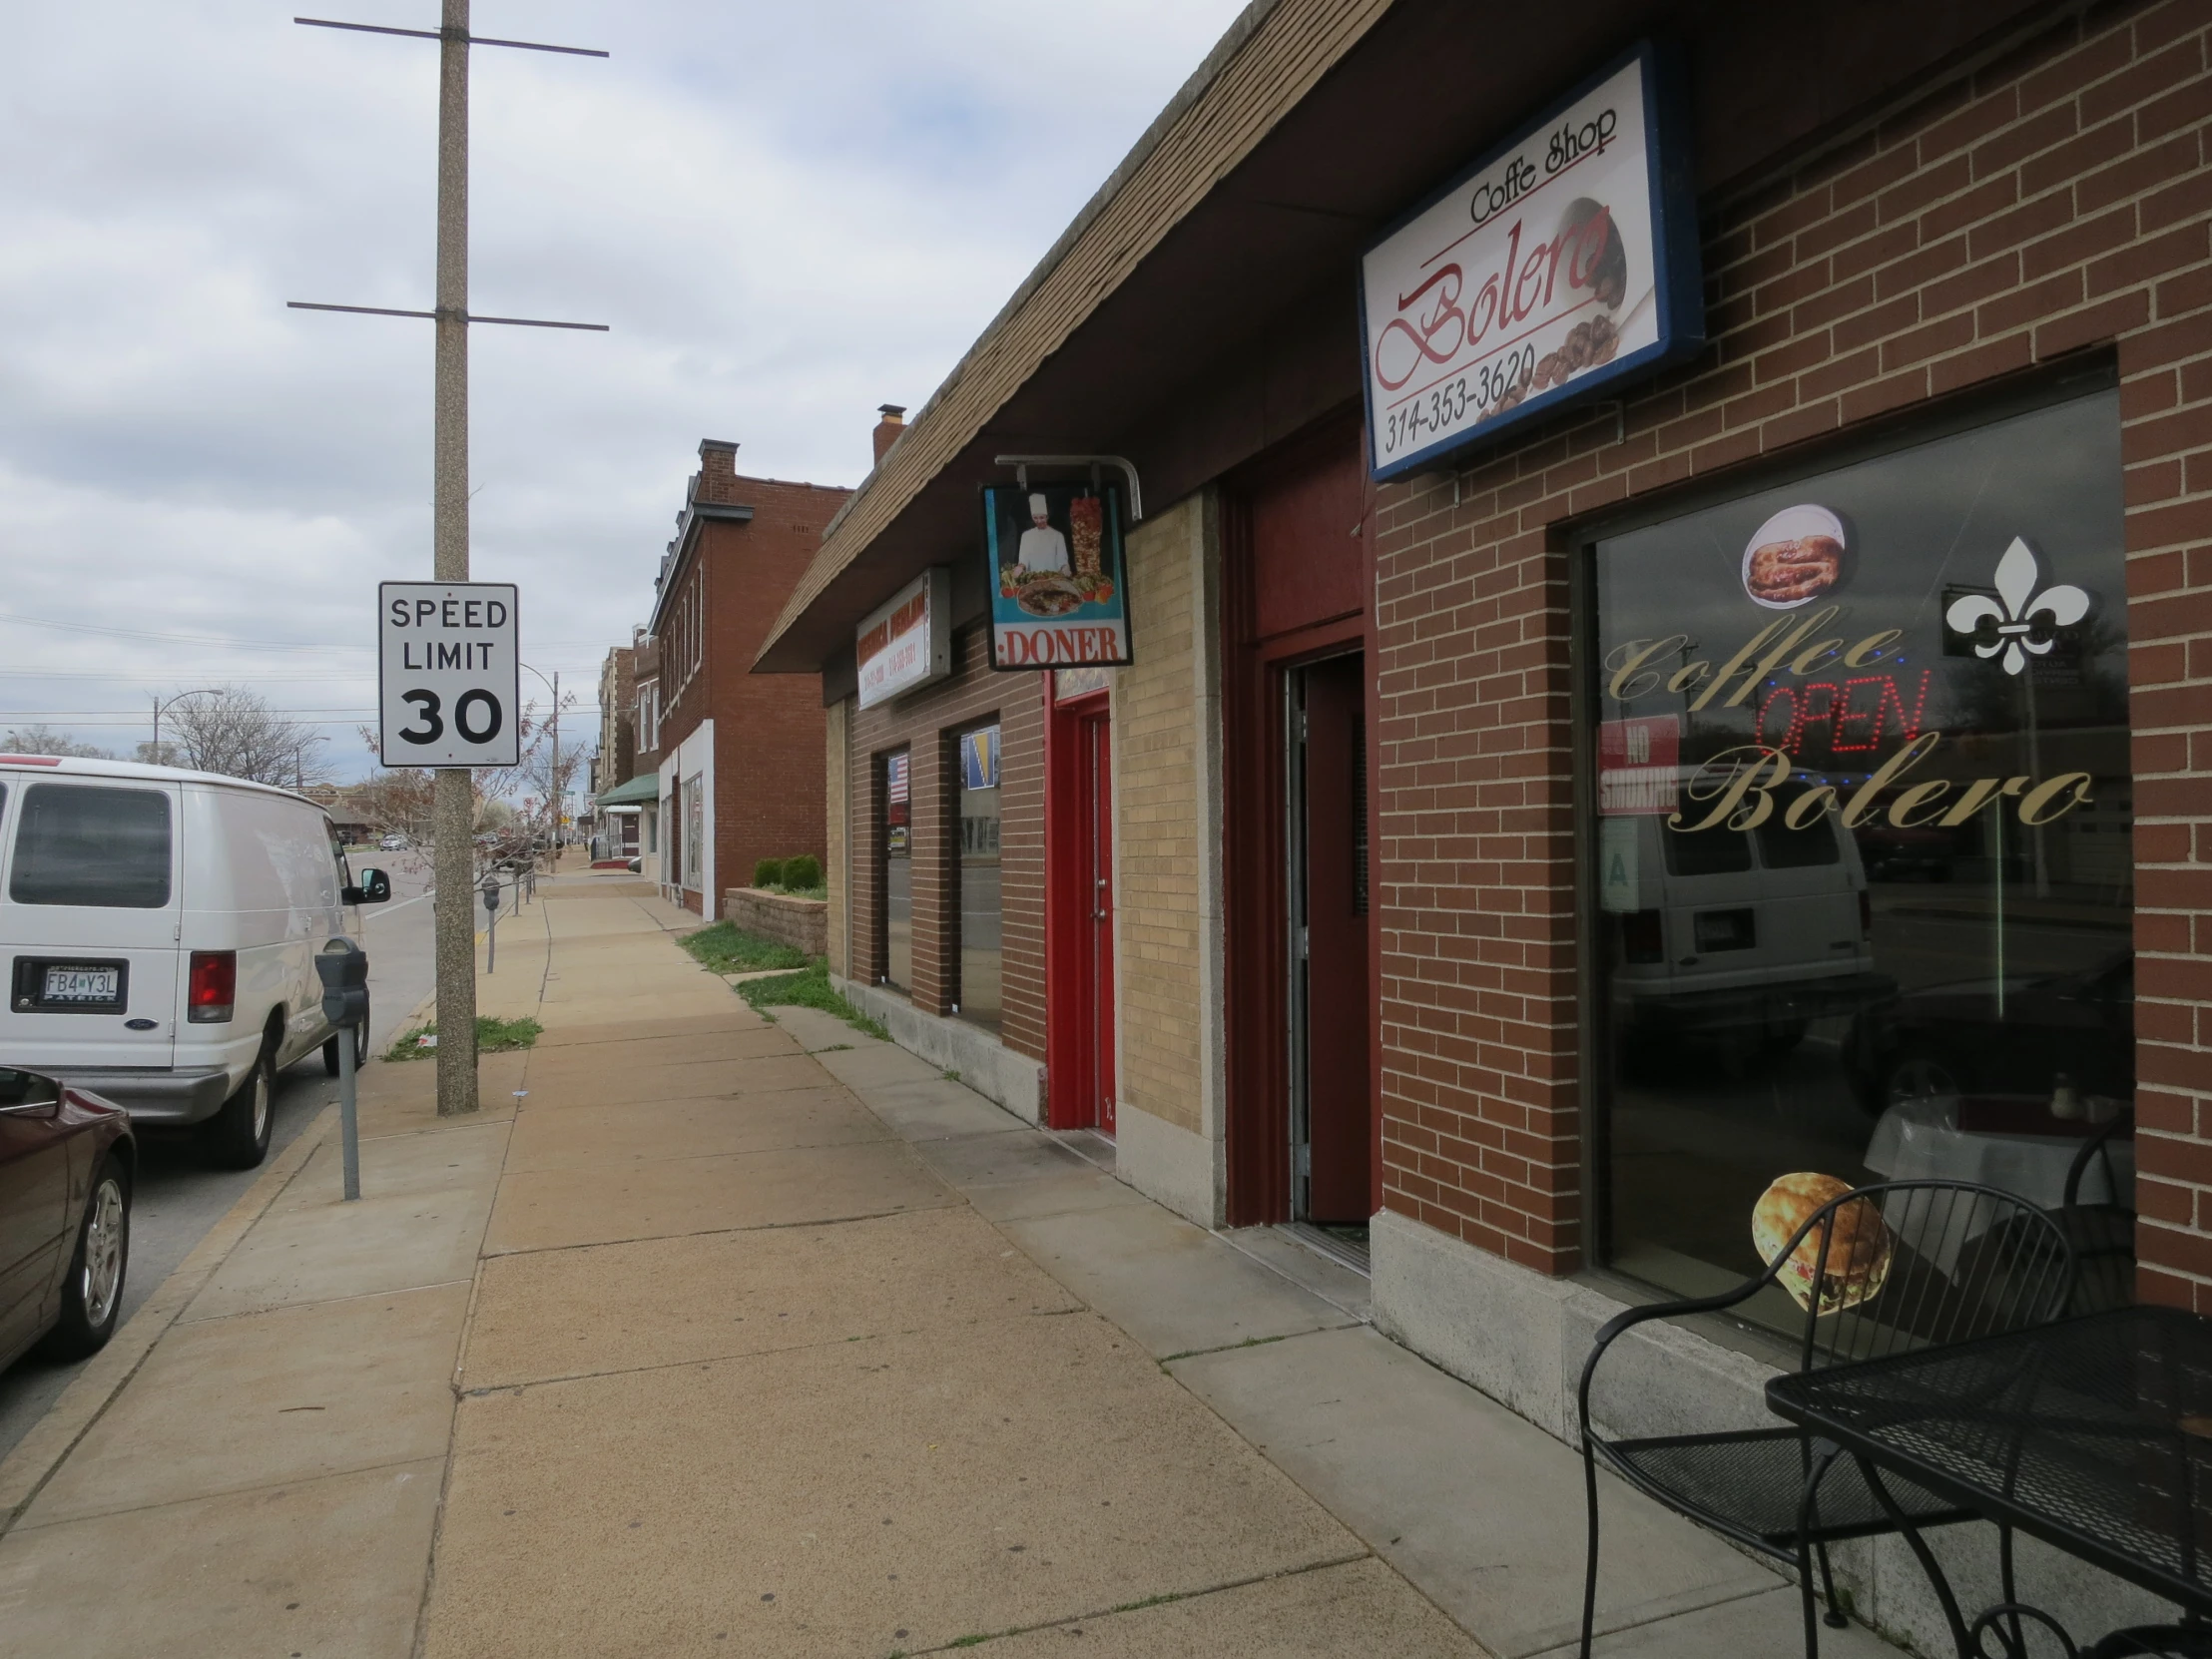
(1862, 821)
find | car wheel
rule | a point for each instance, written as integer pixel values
(238, 1135)
(93, 1295)
(361, 1049)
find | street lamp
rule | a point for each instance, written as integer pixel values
(154, 753)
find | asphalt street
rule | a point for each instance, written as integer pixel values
(178, 1197)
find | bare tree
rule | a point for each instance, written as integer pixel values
(234, 732)
(399, 799)
(46, 740)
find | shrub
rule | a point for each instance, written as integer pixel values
(802, 871)
(768, 872)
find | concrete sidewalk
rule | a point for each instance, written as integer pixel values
(717, 1336)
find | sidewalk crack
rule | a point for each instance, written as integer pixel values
(1163, 1599)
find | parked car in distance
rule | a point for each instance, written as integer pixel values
(392, 844)
(159, 929)
(67, 1164)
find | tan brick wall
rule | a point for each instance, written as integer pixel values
(839, 783)
(2058, 199)
(1156, 714)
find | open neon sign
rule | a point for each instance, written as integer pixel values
(1858, 713)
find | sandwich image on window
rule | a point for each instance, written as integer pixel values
(1860, 1243)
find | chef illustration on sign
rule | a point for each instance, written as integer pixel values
(1042, 547)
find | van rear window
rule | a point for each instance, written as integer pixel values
(1782, 847)
(1705, 851)
(107, 848)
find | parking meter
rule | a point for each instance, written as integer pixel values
(491, 921)
(342, 967)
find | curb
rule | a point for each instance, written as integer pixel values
(26, 1470)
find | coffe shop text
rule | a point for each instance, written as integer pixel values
(1738, 782)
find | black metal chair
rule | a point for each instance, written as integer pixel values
(1967, 1261)
(2102, 1234)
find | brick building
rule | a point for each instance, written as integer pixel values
(740, 756)
(1392, 830)
(615, 825)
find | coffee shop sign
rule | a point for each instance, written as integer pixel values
(1746, 785)
(1560, 264)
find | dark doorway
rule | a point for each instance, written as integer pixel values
(1079, 914)
(1299, 986)
(896, 919)
(1332, 1119)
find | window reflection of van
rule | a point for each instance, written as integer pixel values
(1739, 936)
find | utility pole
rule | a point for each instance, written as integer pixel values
(453, 792)
(559, 794)
(453, 798)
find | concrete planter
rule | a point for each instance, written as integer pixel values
(802, 924)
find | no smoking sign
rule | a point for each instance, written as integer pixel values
(449, 675)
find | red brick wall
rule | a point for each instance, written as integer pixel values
(2058, 201)
(926, 723)
(769, 768)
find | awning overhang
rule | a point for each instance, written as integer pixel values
(643, 790)
(1202, 306)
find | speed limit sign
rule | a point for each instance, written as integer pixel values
(448, 675)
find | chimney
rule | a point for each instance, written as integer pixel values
(716, 478)
(888, 429)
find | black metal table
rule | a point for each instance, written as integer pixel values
(2093, 1434)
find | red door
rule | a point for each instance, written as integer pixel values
(1079, 916)
(1339, 1115)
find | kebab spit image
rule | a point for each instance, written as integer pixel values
(1086, 537)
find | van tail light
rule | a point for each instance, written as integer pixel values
(1866, 914)
(213, 989)
(1643, 937)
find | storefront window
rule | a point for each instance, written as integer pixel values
(1862, 829)
(695, 831)
(898, 872)
(978, 997)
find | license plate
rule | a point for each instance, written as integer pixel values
(65, 984)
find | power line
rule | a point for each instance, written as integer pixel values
(240, 644)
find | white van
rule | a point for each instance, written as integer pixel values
(1739, 937)
(159, 929)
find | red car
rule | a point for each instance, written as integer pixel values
(67, 1159)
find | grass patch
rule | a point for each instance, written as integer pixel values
(821, 890)
(808, 989)
(728, 948)
(493, 1036)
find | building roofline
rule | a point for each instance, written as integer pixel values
(1260, 69)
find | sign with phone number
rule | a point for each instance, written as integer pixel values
(1562, 262)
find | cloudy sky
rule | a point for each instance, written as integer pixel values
(788, 213)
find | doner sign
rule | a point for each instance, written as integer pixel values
(1059, 588)
(448, 676)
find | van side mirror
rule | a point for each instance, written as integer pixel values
(375, 888)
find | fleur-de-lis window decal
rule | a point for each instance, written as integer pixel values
(2016, 626)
